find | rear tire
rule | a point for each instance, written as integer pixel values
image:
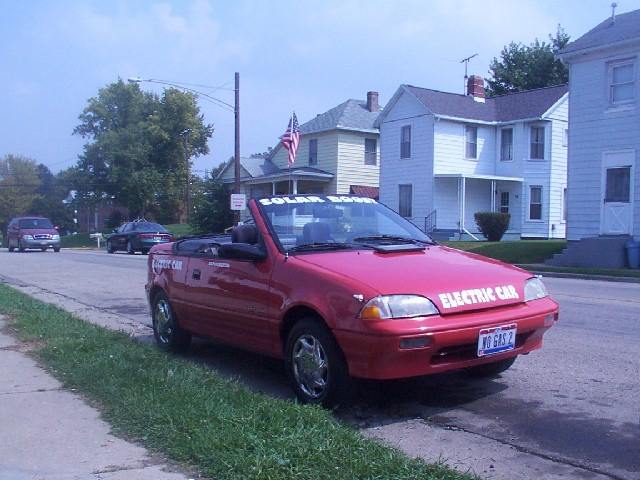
(43, 249)
(145, 251)
(316, 366)
(56, 249)
(130, 249)
(20, 247)
(11, 249)
(491, 369)
(166, 330)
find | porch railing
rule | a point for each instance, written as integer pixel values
(430, 221)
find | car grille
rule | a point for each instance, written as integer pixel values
(469, 351)
(42, 236)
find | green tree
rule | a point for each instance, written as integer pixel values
(211, 204)
(19, 184)
(49, 203)
(140, 148)
(524, 67)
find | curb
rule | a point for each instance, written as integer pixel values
(584, 276)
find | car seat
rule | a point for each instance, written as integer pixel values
(316, 232)
(245, 234)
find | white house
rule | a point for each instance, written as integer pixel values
(604, 140)
(445, 156)
(337, 154)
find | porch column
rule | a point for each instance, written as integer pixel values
(493, 195)
(462, 190)
(295, 187)
(273, 188)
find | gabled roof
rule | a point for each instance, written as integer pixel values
(350, 115)
(503, 108)
(252, 167)
(262, 168)
(625, 27)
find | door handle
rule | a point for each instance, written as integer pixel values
(196, 274)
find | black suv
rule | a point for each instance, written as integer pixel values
(138, 236)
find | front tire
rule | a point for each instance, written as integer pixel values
(20, 247)
(110, 248)
(56, 249)
(11, 249)
(168, 334)
(491, 369)
(316, 366)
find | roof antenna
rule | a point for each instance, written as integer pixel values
(466, 77)
(613, 12)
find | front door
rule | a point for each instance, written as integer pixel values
(617, 193)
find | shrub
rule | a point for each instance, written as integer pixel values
(492, 224)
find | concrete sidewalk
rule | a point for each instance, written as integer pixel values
(47, 433)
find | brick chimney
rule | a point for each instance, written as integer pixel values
(372, 102)
(475, 87)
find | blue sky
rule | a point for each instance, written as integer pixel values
(303, 55)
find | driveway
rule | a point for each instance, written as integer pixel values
(570, 409)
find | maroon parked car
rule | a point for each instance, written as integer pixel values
(32, 232)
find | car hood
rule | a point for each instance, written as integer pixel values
(38, 231)
(455, 281)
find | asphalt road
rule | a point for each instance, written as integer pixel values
(571, 410)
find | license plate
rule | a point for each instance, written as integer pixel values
(496, 340)
(43, 243)
(157, 239)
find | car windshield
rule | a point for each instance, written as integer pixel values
(148, 227)
(328, 222)
(35, 223)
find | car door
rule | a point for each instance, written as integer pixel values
(121, 239)
(235, 300)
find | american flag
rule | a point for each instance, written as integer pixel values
(291, 138)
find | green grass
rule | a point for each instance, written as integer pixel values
(191, 415)
(180, 229)
(610, 272)
(521, 251)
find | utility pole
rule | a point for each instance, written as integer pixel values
(187, 190)
(236, 113)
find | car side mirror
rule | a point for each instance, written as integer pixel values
(115, 230)
(242, 251)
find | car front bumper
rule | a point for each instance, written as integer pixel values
(39, 243)
(450, 342)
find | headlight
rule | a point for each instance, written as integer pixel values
(27, 237)
(55, 237)
(397, 306)
(534, 289)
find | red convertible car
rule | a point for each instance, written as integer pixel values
(343, 287)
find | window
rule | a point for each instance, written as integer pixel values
(537, 143)
(618, 185)
(405, 142)
(506, 145)
(471, 138)
(535, 203)
(504, 202)
(313, 151)
(621, 83)
(565, 138)
(404, 200)
(564, 204)
(370, 151)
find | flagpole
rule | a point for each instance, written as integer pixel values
(289, 159)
